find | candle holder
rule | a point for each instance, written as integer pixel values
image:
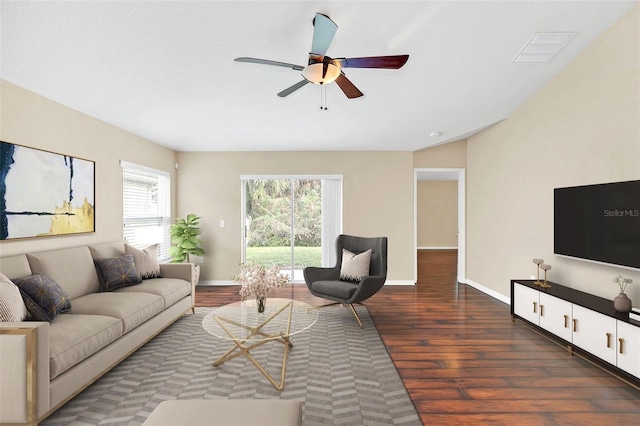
(538, 262)
(545, 268)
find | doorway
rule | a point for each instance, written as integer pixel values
(444, 174)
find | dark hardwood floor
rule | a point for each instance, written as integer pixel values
(464, 362)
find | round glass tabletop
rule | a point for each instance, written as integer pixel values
(242, 321)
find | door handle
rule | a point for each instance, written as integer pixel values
(575, 325)
(608, 340)
(535, 305)
(621, 340)
(541, 310)
(566, 321)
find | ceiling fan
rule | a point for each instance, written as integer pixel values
(323, 69)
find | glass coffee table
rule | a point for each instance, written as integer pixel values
(242, 324)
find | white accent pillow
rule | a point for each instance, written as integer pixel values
(354, 266)
(12, 308)
(146, 261)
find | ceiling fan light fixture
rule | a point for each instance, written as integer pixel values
(313, 73)
(323, 69)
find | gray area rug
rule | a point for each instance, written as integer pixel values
(343, 375)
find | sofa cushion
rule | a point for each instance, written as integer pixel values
(73, 338)
(132, 308)
(15, 266)
(146, 261)
(117, 272)
(340, 289)
(43, 297)
(170, 289)
(12, 308)
(104, 250)
(72, 268)
(354, 266)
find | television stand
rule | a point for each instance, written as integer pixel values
(587, 325)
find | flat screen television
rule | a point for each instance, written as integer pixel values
(600, 223)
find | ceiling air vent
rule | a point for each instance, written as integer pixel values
(542, 48)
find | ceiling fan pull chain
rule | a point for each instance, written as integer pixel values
(323, 97)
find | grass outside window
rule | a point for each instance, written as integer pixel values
(269, 256)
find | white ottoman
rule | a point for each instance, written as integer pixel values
(226, 412)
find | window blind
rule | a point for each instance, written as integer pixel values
(146, 205)
(331, 219)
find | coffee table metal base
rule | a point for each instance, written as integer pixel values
(240, 349)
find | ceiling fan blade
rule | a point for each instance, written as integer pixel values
(392, 62)
(347, 87)
(268, 62)
(323, 31)
(292, 89)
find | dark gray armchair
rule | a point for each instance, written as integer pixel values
(326, 283)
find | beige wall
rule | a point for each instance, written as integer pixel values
(377, 199)
(582, 128)
(451, 155)
(437, 212)
(32, 120)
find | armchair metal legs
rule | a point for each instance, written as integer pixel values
(355, 314)
(350, 306)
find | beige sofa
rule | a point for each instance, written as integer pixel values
(43, 365)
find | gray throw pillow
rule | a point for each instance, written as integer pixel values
(354, 266)
(117, 272)
(146, 261)
(43, 297)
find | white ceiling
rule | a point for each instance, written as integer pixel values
(164, 70)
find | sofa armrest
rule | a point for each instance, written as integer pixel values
(183, 271)
(24, 389)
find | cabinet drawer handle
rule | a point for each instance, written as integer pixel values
(608, 340)
(575, 325)
(566, 321)
(541, 310)
(535, 305)
(621, 340)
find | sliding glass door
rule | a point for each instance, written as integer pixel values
(283, 221)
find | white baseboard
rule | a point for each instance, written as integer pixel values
(488, 291)
(437, 248)
(399, 282)
(213, 283)
(210, 283)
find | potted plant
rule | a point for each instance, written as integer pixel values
(184, 235)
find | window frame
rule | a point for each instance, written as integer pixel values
(332, 212)
(161, 219)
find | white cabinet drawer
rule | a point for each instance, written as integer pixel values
(595, 333)
(628, 348)
(556, 316)
(526, 303)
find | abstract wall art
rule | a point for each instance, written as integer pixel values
(43, 193)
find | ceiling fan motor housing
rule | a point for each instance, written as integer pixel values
(321, 70)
